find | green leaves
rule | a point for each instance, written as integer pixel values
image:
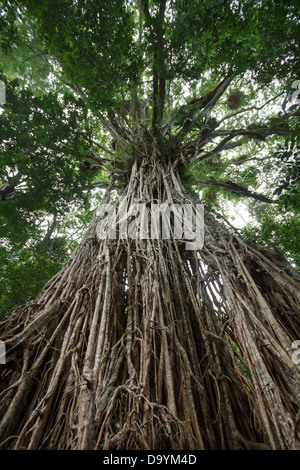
(242, 35)
(22, 277)
(92, 42)
(43, 140)
(277, 231)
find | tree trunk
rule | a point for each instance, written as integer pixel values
(143, 344)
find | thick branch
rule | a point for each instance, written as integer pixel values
(237, 189)
(204, 100)
(116, 125)
(145, 9)
(252, 108)
(7, 191)
(51, 228)
(207, 102)
(156, 26)
(253, 131)
(258, 133)
(215, 96)
(155, 84)
(221, 146)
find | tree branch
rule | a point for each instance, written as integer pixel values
(258, 133)
(253, 131)
(156, 26)
(251, 108)
(237, 189)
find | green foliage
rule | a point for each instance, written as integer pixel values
(224, 35)
(93, 43)
(277, 231)
(43, 141)
(288, 188)
(22, 277)
(29, 254)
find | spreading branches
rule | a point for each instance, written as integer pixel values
(212, 98)
(253, 131)
(237, 189)
(205, 104)
(156, 26)
(251, 108)
(139, 342)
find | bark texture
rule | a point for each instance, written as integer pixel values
(142, 344)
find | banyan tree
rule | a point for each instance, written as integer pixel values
(156, 342)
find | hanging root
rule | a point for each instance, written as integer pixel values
(142, 344)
